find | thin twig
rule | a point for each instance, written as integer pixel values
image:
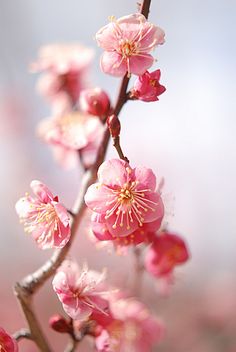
(116, 144)
(25, 289)
(138, 271)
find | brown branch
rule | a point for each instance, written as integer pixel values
(138, 271)
(25, 289)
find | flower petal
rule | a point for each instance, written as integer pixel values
(139, 64)
(41, 191)
(113, 64)
(97, 197)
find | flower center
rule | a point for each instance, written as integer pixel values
(127, 48)
(44, 214)
(2, 348)
(129, 204)
(153, 82)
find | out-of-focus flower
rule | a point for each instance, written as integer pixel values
(44, 217)
(81, 291)
(65, 69)
(127, 43)
(7, 343)
(71, 133)
(145, 234)
(147, 86)
(167, 251)
(126, 197)
(94, 101)
(133, 329)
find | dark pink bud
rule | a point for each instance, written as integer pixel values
(95, 102)
(113, 124)
(60, 324)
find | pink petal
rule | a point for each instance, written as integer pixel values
(62, 214)
(123, 231)
(41, 191)
(150, 37)
(139, 64)
(114, 173)
(108, 36)
(158, 212)
(97, 197)
(113, 64)
(145, 178)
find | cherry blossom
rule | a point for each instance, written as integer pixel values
(127, 42)
(7, 343)
(70, 133)
(133, 329)
(94, 101)
(166, 251)
(147, 86)
(142, 235)
(81, 291)
(44, 217)
(125, 196)
(65, 69)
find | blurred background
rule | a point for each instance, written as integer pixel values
(188, 137)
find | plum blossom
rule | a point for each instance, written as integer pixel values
(65, 69)
(7, 343)
(167, 251)
(133, 329)
(94, 101)
(81, 291)
(126, 197)
(70, 133)
(147, 86)
(44, 217)
(143, 235)
(127, 42)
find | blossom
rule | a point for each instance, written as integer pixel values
(44, 217)
(166, 251)
(65, 68)
(94, 101)
(70, 133)
(127, 43)
(133, 329)
(145, 234)
(7, 343)
(147, 86)
(125, 196)
(81, 291)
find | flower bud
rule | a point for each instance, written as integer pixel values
(95, 102)
(59, 324)
(113, 124)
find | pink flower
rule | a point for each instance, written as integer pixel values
(7, 343)
(166, 251)
(65, 67)
(94, 101)
(134, 329)
(44, 217)
(71, 133)
(81, 291)
(145, 234)
(147, 86)
(126, 197)
(127, 43)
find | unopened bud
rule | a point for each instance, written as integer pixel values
(59, 324)
(113, 124)
(95, 102)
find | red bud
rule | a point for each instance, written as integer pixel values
(114, 126)
(59, 324)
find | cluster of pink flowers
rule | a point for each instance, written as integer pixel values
(120, 324)
(7, 343)
(44, 217)
(126, 203)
